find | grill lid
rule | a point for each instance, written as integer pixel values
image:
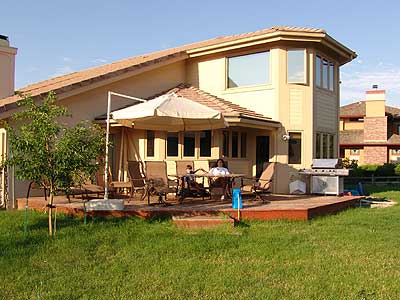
(331, 163)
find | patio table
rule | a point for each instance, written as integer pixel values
(229, 184)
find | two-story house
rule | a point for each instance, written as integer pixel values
(370, 130)
(277, 88)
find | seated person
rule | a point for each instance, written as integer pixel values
(191, 183)
(217, 181)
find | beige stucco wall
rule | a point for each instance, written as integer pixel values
(375, 108)
(348, 125)
(7, 69)
(209, 74)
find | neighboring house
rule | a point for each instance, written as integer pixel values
(278, 89)
(369, 130)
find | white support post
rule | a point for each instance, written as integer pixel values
(106, 162)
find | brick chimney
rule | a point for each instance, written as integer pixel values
(375, 127)
(7, 67)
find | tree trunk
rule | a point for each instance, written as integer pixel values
(50, 212)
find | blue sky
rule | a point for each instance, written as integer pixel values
(57, 37)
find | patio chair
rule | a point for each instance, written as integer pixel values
(158, 182)
(137, 179)
(262, 184)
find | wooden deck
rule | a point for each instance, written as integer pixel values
(289, 207)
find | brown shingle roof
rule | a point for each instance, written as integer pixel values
(349, 137)
(358, 109)
(356, 137)
(227, 108)
(77, 79)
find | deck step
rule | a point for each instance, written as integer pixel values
(202, 221)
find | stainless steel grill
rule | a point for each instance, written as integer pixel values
(326, 176)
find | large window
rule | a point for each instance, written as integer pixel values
(294, 148)
(205, 143)
(318, 78)
(189, 141)
(251, 69)
(296, 66)
(325, 145)
(324, 73)
(331, 76)
(318, 146)
(172, 144)
(150, 143)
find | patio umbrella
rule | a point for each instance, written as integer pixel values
(170, 112)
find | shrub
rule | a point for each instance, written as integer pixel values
(385, 170)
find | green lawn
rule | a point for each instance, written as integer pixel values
(352, 255)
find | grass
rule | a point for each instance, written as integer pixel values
(352, 255)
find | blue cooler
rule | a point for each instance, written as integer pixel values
(237, 199)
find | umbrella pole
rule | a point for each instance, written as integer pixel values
(107, 146)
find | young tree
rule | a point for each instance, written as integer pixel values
(50, 153)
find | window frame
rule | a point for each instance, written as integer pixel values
(269, 82)
(331, 64)
(301, 146)
(183, 144)
(330, 145)
(147, 143)
(199, 143)
(179, 151)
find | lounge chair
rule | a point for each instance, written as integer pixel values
(137, 179)
(157, 179)
(262, 184)
(97, 185)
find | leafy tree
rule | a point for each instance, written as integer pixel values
(50, 153)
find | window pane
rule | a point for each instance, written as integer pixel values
(296, 66)
(188, 143)
(318, 71)
(172, 144)
(331, 146)
(205, 143)
(295, 148)
(331, 76)
(318, 146)
(324, 74)
(324, 146)
(235, 144)
(225, 146)
(249, 69)
(150, 143)
(243, 145)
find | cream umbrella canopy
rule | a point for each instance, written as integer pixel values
(170, 112)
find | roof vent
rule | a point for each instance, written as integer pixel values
(375, 86)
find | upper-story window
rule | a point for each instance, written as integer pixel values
(324, 73)
(296, 66)
(250, 69)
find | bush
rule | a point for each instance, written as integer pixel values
(376, 170)
(385, 170)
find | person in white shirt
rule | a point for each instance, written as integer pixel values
(220, 170)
